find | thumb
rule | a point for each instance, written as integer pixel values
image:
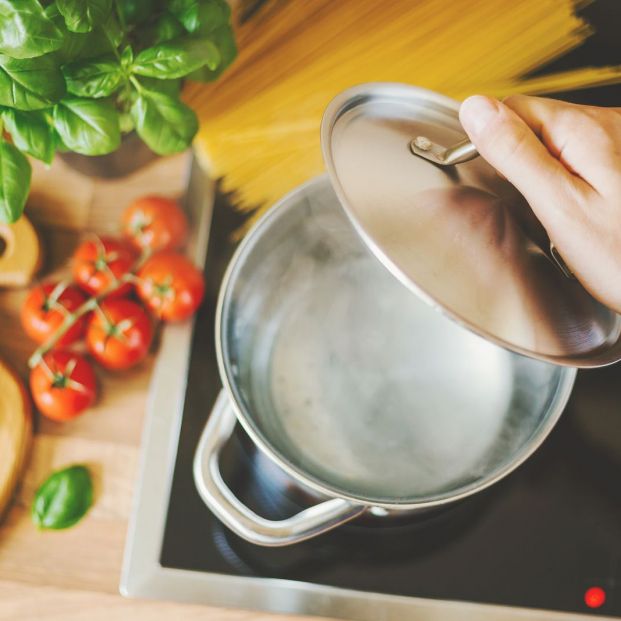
(512, 148)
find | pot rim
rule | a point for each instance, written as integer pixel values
(559, 399)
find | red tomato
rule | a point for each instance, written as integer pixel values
(63, 385)
(45, 309)
(171, 286)
(97, 263)
(119, 334)
(155, 222)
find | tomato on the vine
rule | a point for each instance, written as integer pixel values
(155, 222)
(98, 263)
(171, 286)
(119, 334)
(63, 385)
(45, 309)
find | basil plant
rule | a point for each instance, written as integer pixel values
(76, 74)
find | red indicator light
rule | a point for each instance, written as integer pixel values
(595, 597)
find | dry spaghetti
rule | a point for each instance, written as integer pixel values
(260, 122)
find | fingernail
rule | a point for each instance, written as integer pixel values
(476, 112)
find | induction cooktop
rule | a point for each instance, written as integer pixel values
(547, 538)
(544, 543)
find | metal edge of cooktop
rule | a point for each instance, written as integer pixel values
(143, 575)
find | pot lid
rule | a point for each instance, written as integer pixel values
(452, 230)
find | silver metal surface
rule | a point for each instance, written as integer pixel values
(558, 259)
(354, 386)
(143, 575)
(239, 518)
(460, 237)
(164, 409)
(460, 152)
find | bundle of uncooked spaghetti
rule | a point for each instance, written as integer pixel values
(260, 121)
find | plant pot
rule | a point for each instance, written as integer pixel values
(132, 155)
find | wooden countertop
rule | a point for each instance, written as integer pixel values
(74, 574)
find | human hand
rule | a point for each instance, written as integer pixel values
(566, 161)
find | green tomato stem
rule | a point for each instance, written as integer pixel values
(90, 305)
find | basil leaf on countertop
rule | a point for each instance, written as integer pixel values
(25, 29)
(63, 499)
(30, 83)
(176, 58)
(224, 40)
(82, 15)
(31, 133)
(164, 123)
(15, 173)
(98, 77)
(87, 126)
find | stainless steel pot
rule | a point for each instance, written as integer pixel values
(359, 391)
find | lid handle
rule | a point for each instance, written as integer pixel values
(462, 151)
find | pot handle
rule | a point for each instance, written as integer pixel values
(239, 518)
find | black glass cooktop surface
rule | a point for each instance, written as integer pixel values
(548, 536)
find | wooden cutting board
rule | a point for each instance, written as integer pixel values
(15, 432)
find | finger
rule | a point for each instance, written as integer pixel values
(510, 146)
(584, 138)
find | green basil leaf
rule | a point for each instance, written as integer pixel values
(127, 57)
(224, 39)
(30, 83)
(15, 173)
(25, 30)
(204, 16)
(63, 499)
(73, 43)
(98, 77)
(163, 122)
(87, 126)
(59, 144)
(176, 58)
(31, 133)
(178, 6)
(172, 88)
(135, 11)
(166, 27)
(82, 15)
(77, 45)
(112, 31)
